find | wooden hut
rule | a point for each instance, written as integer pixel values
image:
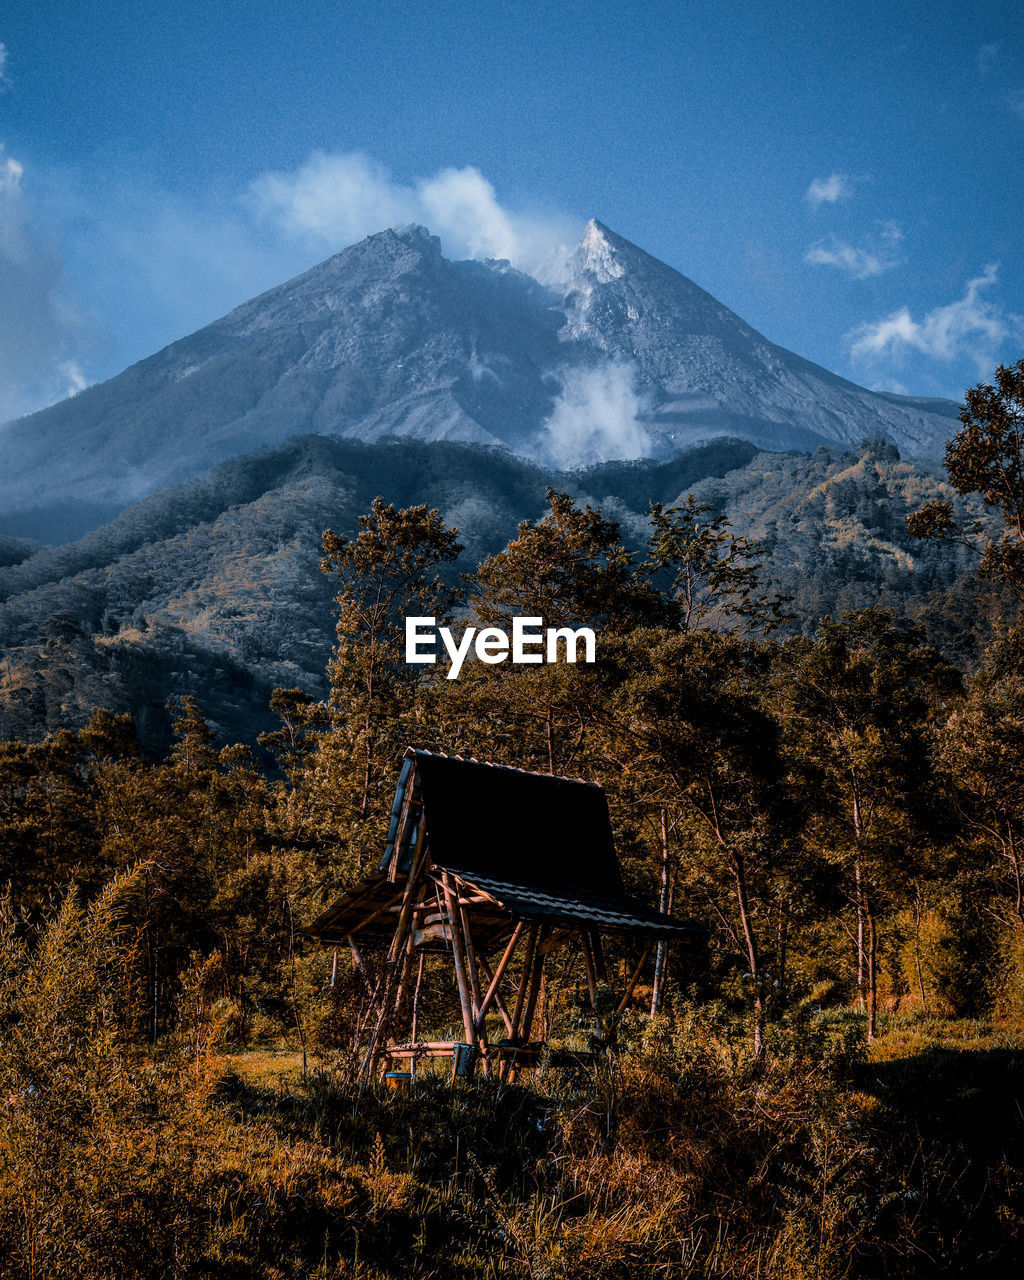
(494, 869)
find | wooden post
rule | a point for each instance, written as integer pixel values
(461, 977)
(416, 1008)
(631, 985)
(588, 964)
(492, 993)
(524, 981)
(664, 898)
(398, 956)
(535, 978)
(599, 965)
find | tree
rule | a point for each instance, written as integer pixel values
(986, 457)
(857, 703)
(389, 571)
(689, 735)
(982, 748)
(712, 575)
(570, 569)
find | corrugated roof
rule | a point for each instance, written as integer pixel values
(575, 905)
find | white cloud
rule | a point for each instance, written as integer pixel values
(971, 327)
(596, 417)
(3, 63)
(37, 325)
(876, 255)
(837, 186)
(334, 200)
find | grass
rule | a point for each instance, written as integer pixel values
(905, 1036)
(268, 1067)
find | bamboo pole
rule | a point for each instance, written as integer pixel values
(631, 985)
(535, 980)
(416, 1006)
(588, 964)
(531, 947)
(461, 977)
(492, 994)
(661, 958)
(398, 956)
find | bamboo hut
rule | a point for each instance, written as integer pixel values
(492, 870)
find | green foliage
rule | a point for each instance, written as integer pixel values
(986, 457)
(711, 574)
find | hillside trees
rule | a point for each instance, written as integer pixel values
(690, 733)
(711, 574)
(982, 750)
(570, 569)
(857, 702)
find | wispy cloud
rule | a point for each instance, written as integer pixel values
(1015, 101)
(972, 327)
(38, 327)
(987, 57)
(596, 416)
(837, 186)
(335, 199)
(3, 63)
(878, 253)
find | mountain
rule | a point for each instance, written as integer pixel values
(626, 359)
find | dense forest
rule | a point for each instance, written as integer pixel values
(833, 1089)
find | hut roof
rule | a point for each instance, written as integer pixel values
(515, 826)
(528, 845)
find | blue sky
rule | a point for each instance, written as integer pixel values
(844, 176)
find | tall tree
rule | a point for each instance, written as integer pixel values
(858, 701)
(389, 571)
(570, 569)
(986, 457)
(982, 749)
(711, 575)
(690, 735)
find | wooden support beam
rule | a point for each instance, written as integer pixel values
(588, 964)
(400, 830)
(524, 980)
(471, 971)
(631, 985)
(535, 981)
(492, 994)
(461, 976)
(398, 956)
(416, 1001)
(599, 965)
(498, 1003)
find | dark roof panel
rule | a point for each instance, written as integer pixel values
(515, 826)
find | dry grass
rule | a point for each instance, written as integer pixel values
(272, 1067)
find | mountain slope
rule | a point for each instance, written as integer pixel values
(213, 587)
(629, 359)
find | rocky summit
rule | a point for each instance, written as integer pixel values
(625, 358)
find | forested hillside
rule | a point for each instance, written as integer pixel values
(213, 588)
